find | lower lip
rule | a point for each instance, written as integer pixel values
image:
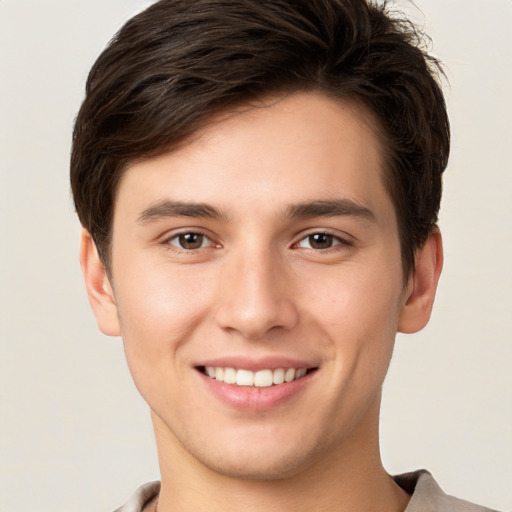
(250, 398)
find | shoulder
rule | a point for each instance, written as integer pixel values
(427, 496)
(140, 498)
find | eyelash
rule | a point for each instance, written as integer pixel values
(331, 236)
(338, 241)
(169, 241)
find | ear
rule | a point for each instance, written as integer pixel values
(422, 285)
(99, 291)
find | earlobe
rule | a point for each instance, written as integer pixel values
(422, 285)
(99, 290)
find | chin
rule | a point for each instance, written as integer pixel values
(253, 460)
(258, 467)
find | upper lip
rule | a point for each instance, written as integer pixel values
(256, 364)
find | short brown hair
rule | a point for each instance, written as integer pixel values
(179, 62)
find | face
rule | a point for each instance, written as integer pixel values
(257, 284)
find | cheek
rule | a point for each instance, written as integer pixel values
(358, 310)
(356, 295)
(158, 309)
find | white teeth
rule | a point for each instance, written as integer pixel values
(278, 376)
(263, 378)
(300, 373)
(259, 379)
(244, 378)
(289, 375)
(229, 375)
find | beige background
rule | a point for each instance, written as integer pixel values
(73, 432)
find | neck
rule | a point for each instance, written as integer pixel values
(350, 478)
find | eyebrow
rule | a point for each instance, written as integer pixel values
(326, 208)
(330, 208)
(165, 209)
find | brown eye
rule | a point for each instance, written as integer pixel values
(319, 241)
(189, 241)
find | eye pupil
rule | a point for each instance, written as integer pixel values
(320, 241)
(191, 240)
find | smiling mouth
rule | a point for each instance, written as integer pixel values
(259, 379)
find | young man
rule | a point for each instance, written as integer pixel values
(259, 183)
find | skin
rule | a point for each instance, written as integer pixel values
(260, 287)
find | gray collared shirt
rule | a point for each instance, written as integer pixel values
(426, 496)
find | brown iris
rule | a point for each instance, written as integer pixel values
(191, 240)
(321, 241)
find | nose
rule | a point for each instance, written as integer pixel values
(255, 296)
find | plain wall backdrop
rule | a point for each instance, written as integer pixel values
(74, 434)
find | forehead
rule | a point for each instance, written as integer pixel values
(278, 150)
